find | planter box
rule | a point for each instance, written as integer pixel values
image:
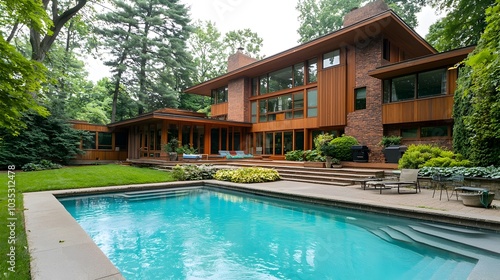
(315, 164)
(477, 199)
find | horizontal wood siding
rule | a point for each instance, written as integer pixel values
(429, 109)
(103, 155)
(332, 96)
(90, 127)
(219, 109)
(286, 125)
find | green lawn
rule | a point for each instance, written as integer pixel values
(65, 178)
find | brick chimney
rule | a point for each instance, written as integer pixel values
(238, 60)
(367, 11)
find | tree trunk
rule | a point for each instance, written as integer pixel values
(40, 46)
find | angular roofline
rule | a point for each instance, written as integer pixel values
(423, 63)
(243, 71)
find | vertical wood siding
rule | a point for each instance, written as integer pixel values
(332, 96)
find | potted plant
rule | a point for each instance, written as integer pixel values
(336, 163)
(171, 148)
(392, 149)
(328, 150)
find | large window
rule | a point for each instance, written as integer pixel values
(312, 70)
(294, 106)
(434, 131)
(426, 131)
(105, 140)
(424, 84)
(291, 105)
(432, 83)
(312, 103)
(403, 88)
(89, 143)
(219, 95)
(253, 114)
(281, 79)
(298, 74)
(331, 59)
(360, 96)
(285, 78)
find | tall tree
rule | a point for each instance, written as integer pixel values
(60, 14)
(456, 30)
(320, 17)
(150, 50)
(210, 50)
(19, 76)
(479, 90)
(244, 38)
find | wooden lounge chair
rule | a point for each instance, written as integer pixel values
(408, 177)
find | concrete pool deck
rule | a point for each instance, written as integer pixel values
(60, 249)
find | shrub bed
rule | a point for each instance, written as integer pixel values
(247, 175)
(418, 156)
(41, 165)
(481, 172)
(191, 172)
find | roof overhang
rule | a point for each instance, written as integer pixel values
(429, 62)
(358, 34)
(160, 115)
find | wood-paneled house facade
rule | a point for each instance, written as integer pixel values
(374, 77)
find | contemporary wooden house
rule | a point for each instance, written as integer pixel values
(374, 77)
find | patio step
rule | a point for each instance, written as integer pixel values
(330, 176)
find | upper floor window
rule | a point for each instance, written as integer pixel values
(253, 112)
(360, 98)
(331, 59)
(219, 95)
(420, 85)
(312, 103)
(281, 79)
(298, 74)
(312, 70)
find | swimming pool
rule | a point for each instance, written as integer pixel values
(209, 233)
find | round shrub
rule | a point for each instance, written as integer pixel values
(343, 146)
(418, 156)
(247, 175)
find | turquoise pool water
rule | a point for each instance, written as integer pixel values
(207, 233)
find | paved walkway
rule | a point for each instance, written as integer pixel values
(418, 205)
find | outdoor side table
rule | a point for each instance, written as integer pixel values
(441, 182)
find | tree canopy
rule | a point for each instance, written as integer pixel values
(456, 30)
(320, 17)
(477, 105)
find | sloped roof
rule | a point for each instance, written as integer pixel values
(387, 23)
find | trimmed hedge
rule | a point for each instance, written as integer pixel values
(247, 175)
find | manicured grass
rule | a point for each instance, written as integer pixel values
(65, 178)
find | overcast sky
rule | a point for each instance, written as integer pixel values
(275, 21)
